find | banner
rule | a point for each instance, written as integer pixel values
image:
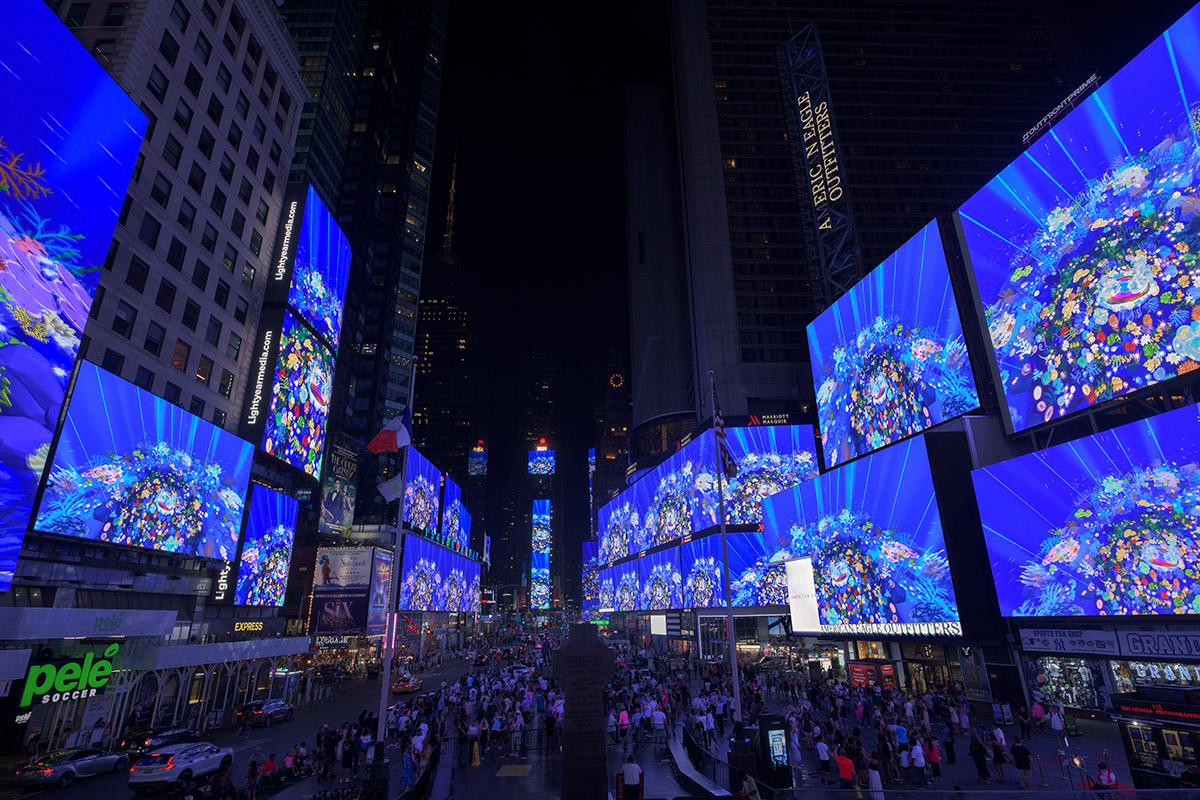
(380, 594)
(1058, 640)
(343, 569)
(340, 488)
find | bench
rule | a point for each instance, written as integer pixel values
(684, 765)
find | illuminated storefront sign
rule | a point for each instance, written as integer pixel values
(71, 681)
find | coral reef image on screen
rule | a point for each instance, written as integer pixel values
(703, 576)
(295, 429)
(539, 581)
(320, 270)
(541, 526)
(456, 522)
(435, 579)
(477, 462)
(757, 576)
(662, 583)
(888, 358)
(266, 548)
(590, 580)
(131, 468)
(627, 586)
(770, 458)
(1101, 526)
(541, 462)
(874, 535)
(421, 492)
(1085, 248)
(67, 148)
(607, 589)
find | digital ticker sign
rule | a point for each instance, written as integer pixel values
(69, 144)
(1084, 249)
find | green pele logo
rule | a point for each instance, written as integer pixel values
(69, 681)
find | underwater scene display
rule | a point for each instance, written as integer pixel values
(703, 577)
(1084, 249)
(422, 490)
(888, 358)
(320, 270)
(266, 548)
(295, 429)
(131, 468)
(590, 581)
(436, 579)
(627, 586)
(607, 590)
(1104, 525)
(67, 149)
(539, 578)
(456, 522)
(661, 579)
(541, 462)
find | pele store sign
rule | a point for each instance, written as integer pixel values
(52, 683)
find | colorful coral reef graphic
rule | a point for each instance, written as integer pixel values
(1107, 525)
(888, 357)
(320, 270)
(608, 592)
(590, 581)
(436, 579)
(628, 588)
(421, 494)
(701, 561)
(266, 548)
(541, 462)
(618, 522)
(1084, 249)
(132, 469)
(661, 581)
(770, 459)
(67, 149)
(541, 526)
(456, 522)
(757, 575)
(295, 429)
(421, 586)
(539, 588)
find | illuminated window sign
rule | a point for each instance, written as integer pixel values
(321, 267)
(267, 548)
(1101, 526)
(703, 576)
(422, 492)
(874, 535)
(1084, 248)
(661, 581)
(131, 468)
(67, 150)
(456, 522)
(541, 462)
(295, 426)
(435, 579)
(888, 358)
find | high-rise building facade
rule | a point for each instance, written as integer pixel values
(928, 100)
(183, 284)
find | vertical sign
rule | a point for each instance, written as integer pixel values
(340, 488)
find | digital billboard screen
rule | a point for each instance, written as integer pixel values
(541, 526)
(131, 468)
(456, 522)
(757, 576)
(874, 534)
(320, 270)
(607, 590)
(590, 580)
(1106, 525)
(380, 593)
(770, 458)
(541, 462)
(436, 579)
(1084, 249)
(477, 461)
(69, 145)
(539, 580)
(422, 490)
(701, 565)
(627, 586)
(662, 583)
(303, 379)
(266, 548)
(888, 357)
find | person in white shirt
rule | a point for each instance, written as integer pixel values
(823, 758)
(659, 720)
(633, 779)
(918, 763)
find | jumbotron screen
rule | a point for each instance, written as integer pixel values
(436, 579)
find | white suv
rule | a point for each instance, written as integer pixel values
(178, 762)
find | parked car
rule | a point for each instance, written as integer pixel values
(178, 762)
(62, 767)
(264, 712)
(138, 743)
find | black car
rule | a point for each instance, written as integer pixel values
(264, 712)
(139, 743)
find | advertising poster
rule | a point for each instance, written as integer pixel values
(342, 569)
(380, 593)
(267, 548)
(340, 488)
(131, 468)
(802, 596)
(68, 146)
(339, 612)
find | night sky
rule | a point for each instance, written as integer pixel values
(532, 99)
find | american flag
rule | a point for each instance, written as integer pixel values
(728, 465)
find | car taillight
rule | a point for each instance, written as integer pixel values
(45, 771)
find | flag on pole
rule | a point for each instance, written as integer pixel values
(728, 465)
(396, 434)
(392, 488)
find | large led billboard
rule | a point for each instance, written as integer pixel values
(380, 593)
(68, 147)
(266, 548)
(590, 580)
(422, 490)
(539, 565)
(627, 586)
(303, 379)
(874, 534)
(436, 579)
(888, 357)
(320, 269)
(456, 522)
(701, 565)
(1084, 249)
(607, 590)
(662, 583)
(757, 575)
(477, 461)
(541, 525)
(1106, 525)
(770, 458)
(131, 468)
(541, 462)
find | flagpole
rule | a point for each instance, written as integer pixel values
(733, 663)
(393, 616)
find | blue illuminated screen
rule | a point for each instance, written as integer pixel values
(539, 579)
(456, 522)
(541, 462)
(421, 493)
(875, 538)
(303, 380)
(627, 586)
(1084, 249)
(1106, 525)
(888, 358)
(703, 576)
(436, 579)
(662, 584)
(70, 141)
(590, 580)
(267, 548)
(320, 270)
(607, 589)
(131, 468)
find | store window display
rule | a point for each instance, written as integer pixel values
(1077, 682)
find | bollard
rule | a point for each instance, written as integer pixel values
(1062, 767)
(1041, 774)
(475, 754)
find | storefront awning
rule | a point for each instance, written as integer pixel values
(25, 624)
(187, 655)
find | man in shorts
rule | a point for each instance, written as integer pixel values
(1021, 760)
(823, 758)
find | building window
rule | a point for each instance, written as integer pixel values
(203, 48)
(209, 239)
(172, 151)
(215, 109)
(224, 76)
(196, 177)
(206, 143)
(165, 299)
(193, 80)
(243, 105)
(160, 192)
(180, 16)
(241, 310)
(252, 160)
(200, 276)
(169, 48)
(183, 115)
(218, 417)
(138, 272)
(238, 225)
(235, 136)
(262, 211)
(155, 336)
(172, 393)
(230, 258)
(270, 76)
(217, 203)
(176, 253)
(113, 361)
(226, 169)
(157, 84)
(191, 314)
(94, 312)
(226, 386)
(234, 347)
(269, 181)
(77, 13)
(245, 191)
(276, 153)
(187, 215)
(149, 231)
(183, 352)
(260, 130)
(255, 242)
(212, 334)
(197, 406)
(145, 379)
(204, 370)
(221, 295)
(248, 273)
(210, 13)
(115, 15)
(103, 50)
(123, 320)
